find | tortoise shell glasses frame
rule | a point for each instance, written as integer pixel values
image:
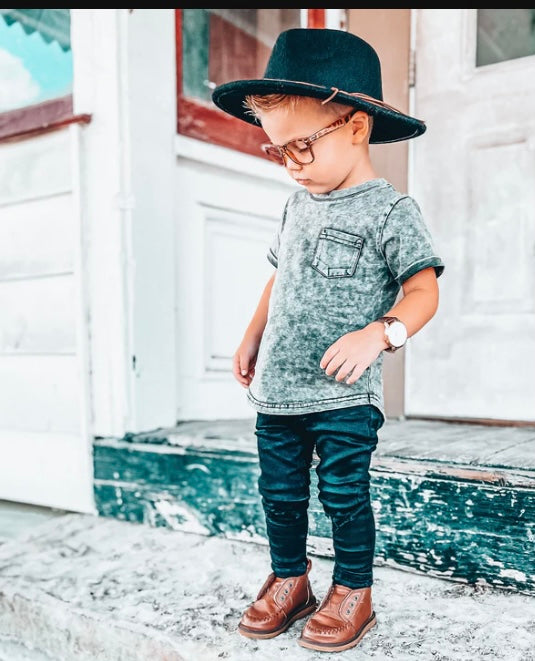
(300, 150)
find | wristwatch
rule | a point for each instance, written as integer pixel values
(395, 333)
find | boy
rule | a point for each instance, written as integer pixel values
(312, 354)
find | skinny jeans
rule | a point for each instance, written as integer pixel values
(344, 440)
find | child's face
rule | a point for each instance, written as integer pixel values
(339, 155)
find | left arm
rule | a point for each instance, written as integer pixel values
(418, 305)
(354, 352)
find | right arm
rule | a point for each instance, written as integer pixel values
(245, 357)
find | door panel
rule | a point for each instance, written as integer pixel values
(224, 229)
(473, 174)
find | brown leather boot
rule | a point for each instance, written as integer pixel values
(342, 619)
(280, 602)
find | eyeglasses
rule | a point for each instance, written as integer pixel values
(300, 151)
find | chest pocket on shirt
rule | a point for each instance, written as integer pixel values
(337, 253)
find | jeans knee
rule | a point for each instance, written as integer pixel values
(284, 511)
(341, 510)
(341, 519)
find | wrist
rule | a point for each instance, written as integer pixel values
(254, 334)
(394, 332)
(378, 329)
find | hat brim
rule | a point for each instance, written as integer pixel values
(389, 125)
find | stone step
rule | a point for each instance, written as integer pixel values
(12, 651)
(453, 500)
(87, 588)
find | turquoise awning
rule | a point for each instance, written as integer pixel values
(51, 24)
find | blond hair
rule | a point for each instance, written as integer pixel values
(259, 104)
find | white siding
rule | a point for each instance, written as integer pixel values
(44, 456)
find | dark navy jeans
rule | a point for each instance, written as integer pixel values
(344, 440)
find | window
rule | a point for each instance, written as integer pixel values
(36, 69)
(504, 34)
(219, 45)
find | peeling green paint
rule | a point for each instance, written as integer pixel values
(466, 523)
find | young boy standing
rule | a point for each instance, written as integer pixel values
(312, 355)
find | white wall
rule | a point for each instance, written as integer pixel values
(45, 446)
(124, 73)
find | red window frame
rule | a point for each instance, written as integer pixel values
(196, 119)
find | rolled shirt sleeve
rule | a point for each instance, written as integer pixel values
(406, 242)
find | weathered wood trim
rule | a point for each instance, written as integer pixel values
(315, 18)
(475, 525)
(513, 477)
(38, 119)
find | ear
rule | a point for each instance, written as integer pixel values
(360, 126)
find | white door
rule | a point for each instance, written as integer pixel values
(473, 173)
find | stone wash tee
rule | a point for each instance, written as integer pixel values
(341, 258)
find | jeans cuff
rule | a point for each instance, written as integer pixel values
(287, 572)
(353, 580)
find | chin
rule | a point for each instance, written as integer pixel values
(317, 188)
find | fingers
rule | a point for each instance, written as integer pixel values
(344, 371)
(347, 369)
(243, 371)
(327, 357)
(354, 376)
(332, 364)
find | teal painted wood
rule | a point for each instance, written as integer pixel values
(462, 530)
(463, 523)
(209, 492)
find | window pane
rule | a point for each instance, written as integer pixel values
(504, 34)
(220, 45)
(35, 56)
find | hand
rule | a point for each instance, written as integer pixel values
(244, 361)
(354, 352)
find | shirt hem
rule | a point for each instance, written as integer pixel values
(296, 408)
(419, 265)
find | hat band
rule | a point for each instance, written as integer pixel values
(364, 97)
(336, 90)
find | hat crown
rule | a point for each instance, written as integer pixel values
(328, 58)
(324, 64)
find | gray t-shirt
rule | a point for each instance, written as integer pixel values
(341, 259)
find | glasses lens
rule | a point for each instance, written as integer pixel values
(300, 152)
(274, 153)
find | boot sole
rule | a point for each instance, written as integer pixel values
(251, 633)
(340, 647)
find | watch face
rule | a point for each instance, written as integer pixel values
(397, 333)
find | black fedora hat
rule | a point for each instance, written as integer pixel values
(326, 64)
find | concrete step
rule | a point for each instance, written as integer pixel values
(88, 588)
(450, 499)
(13, 651)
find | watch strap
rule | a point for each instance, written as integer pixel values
(389, 320)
